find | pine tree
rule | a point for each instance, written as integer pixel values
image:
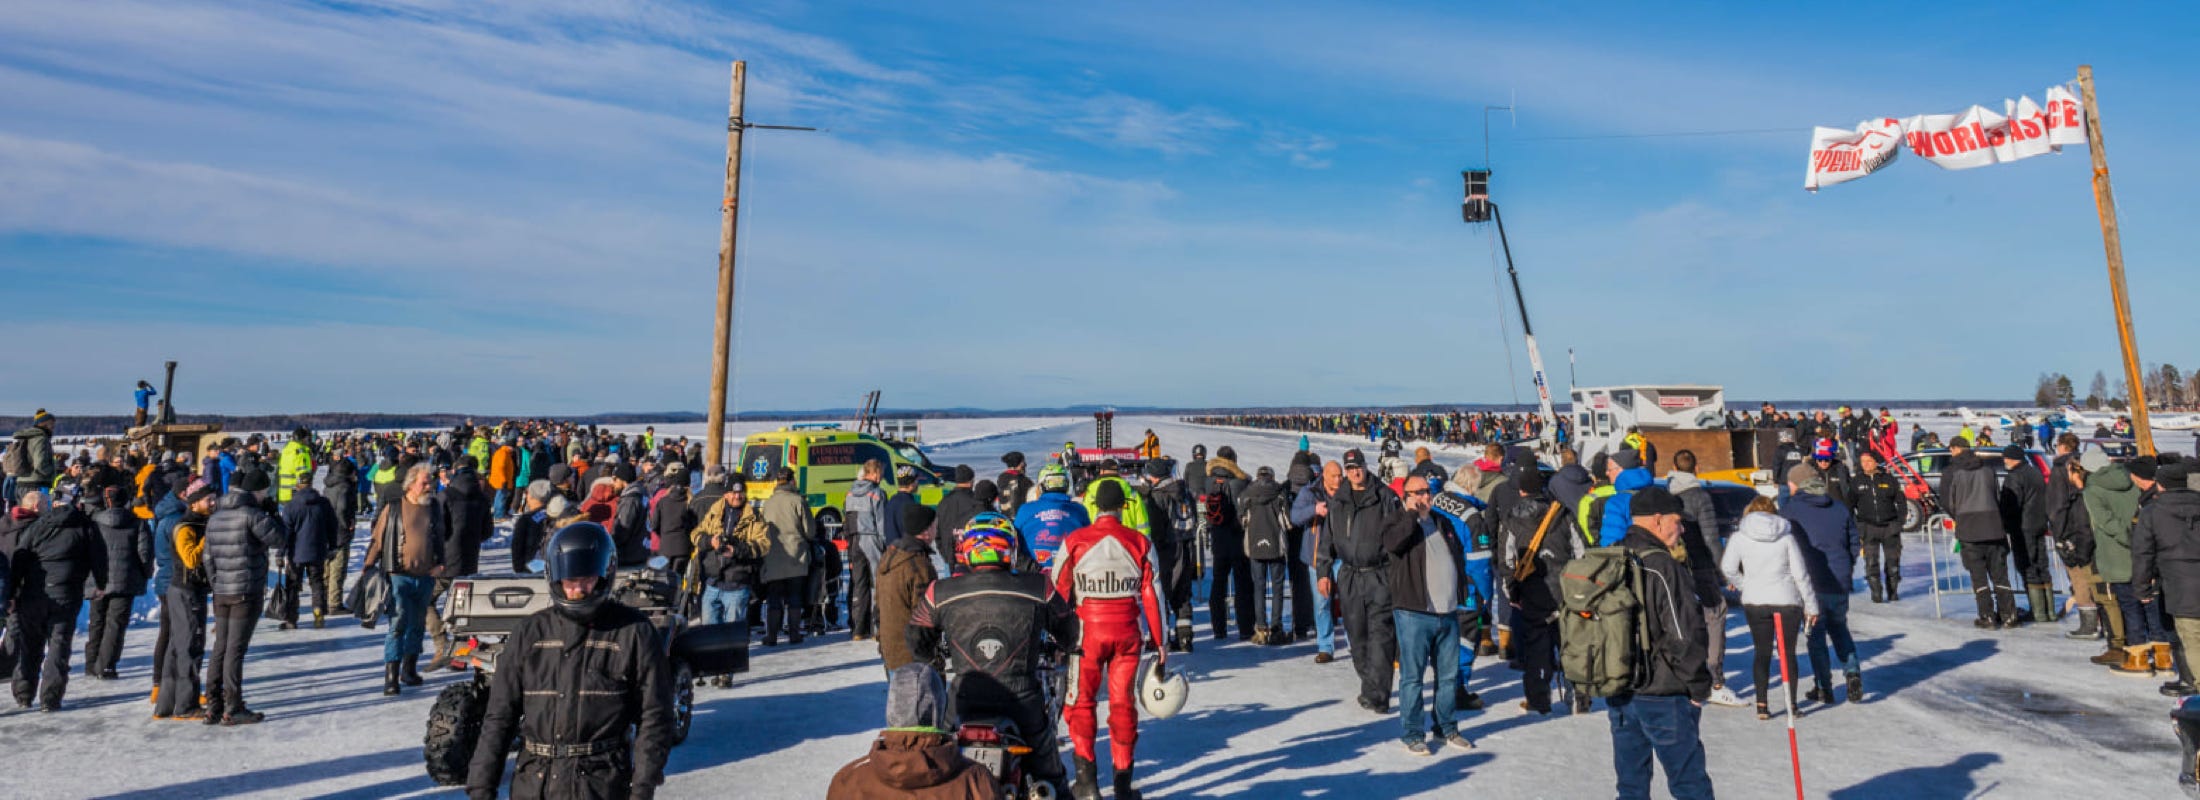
(2067, 395)
(2097, 394)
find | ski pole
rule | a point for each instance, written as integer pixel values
(1795, 753)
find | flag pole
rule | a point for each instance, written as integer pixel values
(2104, 201)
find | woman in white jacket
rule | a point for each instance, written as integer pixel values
(1766, 562)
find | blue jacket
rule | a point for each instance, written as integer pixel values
(145, 398)
(1047, 521)
(166, 514)
(890, 520)
(1618, 513)
(1477, 558)
(1828, 535)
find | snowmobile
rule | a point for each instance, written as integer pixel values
(485, 610)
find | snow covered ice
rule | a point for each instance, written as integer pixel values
(1952, 712)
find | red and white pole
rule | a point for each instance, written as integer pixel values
(1795, 753)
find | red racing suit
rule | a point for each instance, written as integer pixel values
(1106, 571)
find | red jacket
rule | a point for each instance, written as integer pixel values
(1095, 570)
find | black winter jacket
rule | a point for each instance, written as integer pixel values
(1878, 499)
(630, 527)
(1353, 531)
(673, 522)
(1537, 595)
(1969, 493)
(1264, 513)
(466, 504)
(313, 525)
(342, 484)
(2023, 501)
(563, 682)
(129, 543)
(1677, 638)
(1406, 543)
(238, 539)
(55, 554)
(986, 624)
(2165, 551)
(955, 510)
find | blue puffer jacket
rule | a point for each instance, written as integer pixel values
(1618, 513)
(166, 514)
(1828, 535)
(1047, 521)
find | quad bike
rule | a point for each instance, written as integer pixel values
(484, 610)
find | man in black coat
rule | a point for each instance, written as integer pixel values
(2165, 565)
(48, 568)
(2023, 502)
(313, 523)
(1353, 541)
(960, 505)
(466, 502)
(1970, 494)
(1879, 504)
(240, 538)
(129, 546)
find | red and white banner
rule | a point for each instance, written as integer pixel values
(1975, 137)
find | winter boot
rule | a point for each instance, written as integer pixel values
(2163, 658)
(1465, 700)
(1856, 686)
(2043, 602)
(2089, 624)
(1893, 591)
(1087, 784)
(389, 679)
(1261, 635)
(1879, 593)
(408, 671)
(2138, 660)
(1123, 788)
(320, 619)
(2113, 658)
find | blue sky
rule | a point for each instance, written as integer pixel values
(510, 206)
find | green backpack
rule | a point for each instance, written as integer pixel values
(1599, 626)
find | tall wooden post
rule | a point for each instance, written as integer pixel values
(722, 347)
(2104, 200)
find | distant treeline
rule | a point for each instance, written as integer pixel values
(67, 425)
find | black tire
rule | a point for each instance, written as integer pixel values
(453, 727)
(1913, 515)
(683, 701)
(829, 520)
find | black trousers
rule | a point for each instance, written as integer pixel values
(1174, 562)
(1233, 571)
(1537, 643)
(1363, 598)
(2031, 552)
(1989, 566)
(783, 604)
(103, 636)
(235, 616)
(44, 631)
(296, 579)
(1882, 552)
(183, 642)
(1302, 595)
(860, 593)
(1764, 640)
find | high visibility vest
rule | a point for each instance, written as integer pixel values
(294, 469)
(1134, 505)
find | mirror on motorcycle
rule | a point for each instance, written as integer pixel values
(537, 566)
(659, 562)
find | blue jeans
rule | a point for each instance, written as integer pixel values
(725, 605)
(1664, 727)
(496, 506)
(410, 622)
(1427, 641)
(1833, 620)
(1325, 629)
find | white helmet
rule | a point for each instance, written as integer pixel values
(1161, 693)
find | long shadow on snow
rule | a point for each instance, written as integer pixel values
(1954, 779)
(274, 778)
(730, 729)
(1311, 751)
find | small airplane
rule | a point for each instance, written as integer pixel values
(1995, 421)
(2160, 422)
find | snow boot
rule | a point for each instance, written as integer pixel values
(1087, 784)
(2138, 660)
(389, 679)
(1184, 637)
(320, 619)
(1855, 686)
(2043, 602)
(1261, 636)
(2178, 688)
(1879, 593)
(2111, 658)
(1467, 701)
(408, 671)
(2089, 624)
(2163, 658)
(1123, 788)
(1893, 593)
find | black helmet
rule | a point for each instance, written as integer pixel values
(1199, 451)
(580, 550)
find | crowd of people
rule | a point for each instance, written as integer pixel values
(1448, 428)
(1425, 571)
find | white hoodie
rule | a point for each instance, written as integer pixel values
(1764, 559)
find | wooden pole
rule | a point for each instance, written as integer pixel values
(2104, 201)
(730, 213)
